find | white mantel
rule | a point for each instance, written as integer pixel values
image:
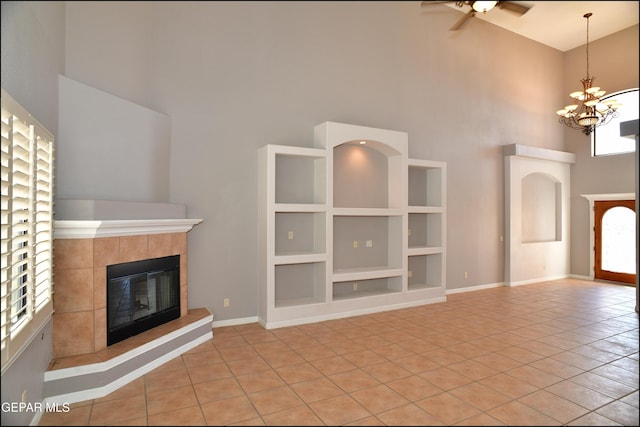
(86, 219)
(87, 229)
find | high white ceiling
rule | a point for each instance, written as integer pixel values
(559, 24)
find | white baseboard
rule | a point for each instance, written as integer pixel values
(474, 288)
(234, 322)
(537, 280)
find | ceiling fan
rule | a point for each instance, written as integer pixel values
(480, 6)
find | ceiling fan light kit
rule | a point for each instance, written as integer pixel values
(590, 111)
(483, 6)
(480, 6)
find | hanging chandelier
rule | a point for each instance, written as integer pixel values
(589, 111)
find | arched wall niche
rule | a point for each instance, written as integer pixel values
(537, 203)
(541, 208)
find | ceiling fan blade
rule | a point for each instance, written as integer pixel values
(512, 7)
(427, 3)
(462, 20)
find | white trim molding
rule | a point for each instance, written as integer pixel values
(81, 229)
(538, 153)
(612, 196)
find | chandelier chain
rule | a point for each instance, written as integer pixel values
(588, 15)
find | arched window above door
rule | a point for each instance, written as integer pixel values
(606, 140)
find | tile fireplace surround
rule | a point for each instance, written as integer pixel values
(82, 250)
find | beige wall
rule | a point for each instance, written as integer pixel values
(33, 56)
(234, 76)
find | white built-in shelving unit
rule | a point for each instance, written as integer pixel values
(351, 226)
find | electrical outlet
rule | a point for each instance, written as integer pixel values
(290, 235)
(355, 244)
(355, 286)
(369, 243)
(466, 275)
(225, 302)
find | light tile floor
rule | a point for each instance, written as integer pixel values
(554, 353)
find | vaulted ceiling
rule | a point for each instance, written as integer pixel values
(559, 24)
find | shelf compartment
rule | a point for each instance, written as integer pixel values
(309, 185)
(384, 234)
(299, 233)
(367, 176)
(424, 271)
(425, 183)
(366, 288)
(425, 230)
(298, 284)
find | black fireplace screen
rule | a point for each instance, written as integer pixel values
(141, 295)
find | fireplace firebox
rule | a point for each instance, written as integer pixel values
(141, 295)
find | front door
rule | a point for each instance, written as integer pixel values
(615, 240)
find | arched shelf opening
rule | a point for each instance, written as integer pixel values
(361, 175)
(366, 174)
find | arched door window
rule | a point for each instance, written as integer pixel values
(615, 240)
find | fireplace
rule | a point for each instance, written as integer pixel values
(141, 295)
(139, 260)
(89, 236)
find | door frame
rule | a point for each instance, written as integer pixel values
(592, 198)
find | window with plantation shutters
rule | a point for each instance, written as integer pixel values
(27, 227)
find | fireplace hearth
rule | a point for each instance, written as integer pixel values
(141, 295)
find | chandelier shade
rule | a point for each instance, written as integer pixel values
(588, 111)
